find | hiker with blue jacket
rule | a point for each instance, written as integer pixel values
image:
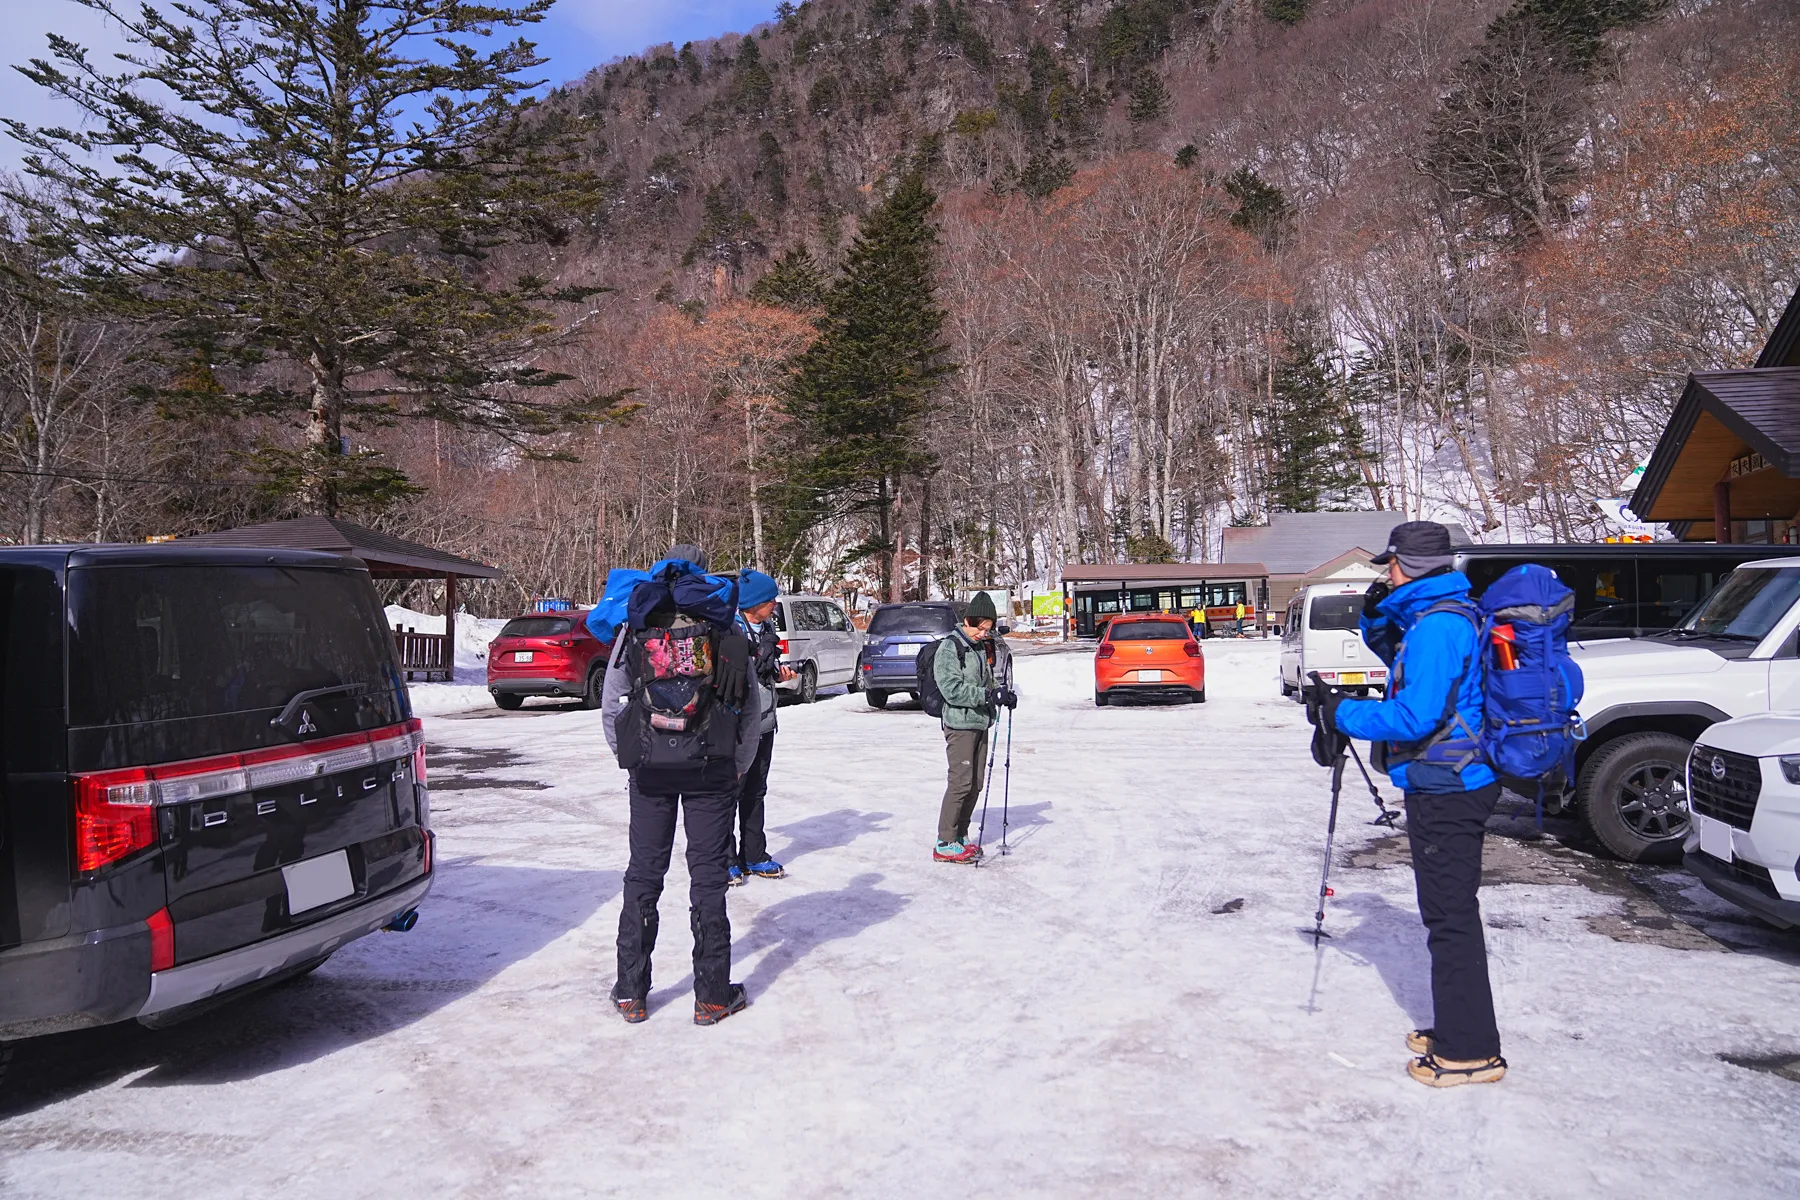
(677, 711)
(749, 853)
(1425, 731)
(963, 669)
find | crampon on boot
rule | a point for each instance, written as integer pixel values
(734, 876)
(1433, 1071)
(711, 1014)
(1419, 1041)
(768, 868)
(956, 852)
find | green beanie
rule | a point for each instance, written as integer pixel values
(981, 608)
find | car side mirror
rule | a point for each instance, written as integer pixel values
(1004, 628)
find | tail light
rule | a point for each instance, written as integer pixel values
(162, 940)
(115, 815)
(783, 644)
(1105, 650)
(1191, 648)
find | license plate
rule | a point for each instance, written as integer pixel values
(1351, 677)
(906, 650)
(1715, 837)
(522, 655)
(1149, 676)
(317, 881)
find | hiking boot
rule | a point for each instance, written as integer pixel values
(768, 868)
(1433, 1071)
(712, 1014)
(632, 1008)
(956, 852)
(734, 876)
(1419, 1040)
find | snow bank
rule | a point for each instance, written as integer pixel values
(472, 637)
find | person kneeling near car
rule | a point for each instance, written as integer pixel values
(1422, 624)
(963, 668)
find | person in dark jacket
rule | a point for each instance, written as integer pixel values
(749, 853)
(1426, 729)
(705, 793)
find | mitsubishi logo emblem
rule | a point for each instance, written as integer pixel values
(1718, 767)
(307, 725)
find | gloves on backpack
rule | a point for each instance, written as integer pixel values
(1378, 591)
(731, 673)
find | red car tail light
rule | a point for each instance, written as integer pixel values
(1105, 650)
(1192, 648)
(115, 815)
(162, 940)
(416, 728)
(783, 644)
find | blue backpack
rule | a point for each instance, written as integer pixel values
(1530, 685)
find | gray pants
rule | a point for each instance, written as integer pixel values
(966, 750)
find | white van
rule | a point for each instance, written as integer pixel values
(1320, 633)
(819, 642)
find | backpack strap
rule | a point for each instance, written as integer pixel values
(1451, 718)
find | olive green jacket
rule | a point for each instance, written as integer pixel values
(965, 681)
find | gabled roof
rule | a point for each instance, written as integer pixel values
(1759, 406)
(1783, 348)
(385, 554)
(1299, 543)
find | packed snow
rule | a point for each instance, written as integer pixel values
(472, 637)
(1123, 1006)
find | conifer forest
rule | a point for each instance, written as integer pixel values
(890, 298)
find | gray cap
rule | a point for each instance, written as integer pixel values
(690, 553)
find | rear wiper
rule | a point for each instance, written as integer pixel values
(297, 721)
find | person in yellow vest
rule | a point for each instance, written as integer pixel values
(1240, 618)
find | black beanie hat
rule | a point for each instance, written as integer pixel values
(981, 608)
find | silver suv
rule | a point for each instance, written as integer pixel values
(818, 642)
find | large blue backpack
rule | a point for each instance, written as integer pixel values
(1530, 686)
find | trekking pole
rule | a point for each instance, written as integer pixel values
(1388, 815)
(987, 791)
(1337, 785)
(1006, 786)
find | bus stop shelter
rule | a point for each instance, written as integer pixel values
(1094, 593)
(431, 655)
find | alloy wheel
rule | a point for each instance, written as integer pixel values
(1653, 800)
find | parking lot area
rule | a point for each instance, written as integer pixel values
(1125, 1005)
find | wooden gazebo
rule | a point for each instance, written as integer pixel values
(432, 655)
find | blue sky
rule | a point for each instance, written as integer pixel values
(577, 35)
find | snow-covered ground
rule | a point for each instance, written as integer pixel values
(1125, 1006)
(472, 637)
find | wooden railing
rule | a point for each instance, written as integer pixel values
(424, 654)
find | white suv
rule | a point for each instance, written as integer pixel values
(1649, 699)
(1744, 795)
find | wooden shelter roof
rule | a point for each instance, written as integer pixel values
(387, 556)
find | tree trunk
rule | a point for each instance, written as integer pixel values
(756, 513)
(925, 538)
(885, 513)
(324, 438)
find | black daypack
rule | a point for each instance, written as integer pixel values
(687, 694)
(930, 699)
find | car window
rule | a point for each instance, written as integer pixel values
(161, 643)
(535, 627)
(1748, 604)
(780, 616)
(1335, 612)
(893, 619)
(808, 617)
(1149, 631)
(834, 618)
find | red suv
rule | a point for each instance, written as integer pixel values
(547, 654)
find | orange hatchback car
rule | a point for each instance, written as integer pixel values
(1150, 656)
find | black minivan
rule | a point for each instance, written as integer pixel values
(210, 777)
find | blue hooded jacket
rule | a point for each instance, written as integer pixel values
(1426, 656)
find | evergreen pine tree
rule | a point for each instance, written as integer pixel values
(313, 214)
(1149, 98)
(1287, 12)
(792, 282)
(1313, 438)
(860, 394)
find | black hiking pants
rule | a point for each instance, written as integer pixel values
(707, 799)
(1446, 831)
(751, 845)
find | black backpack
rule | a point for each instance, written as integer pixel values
(930, 699)
(687, 692)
